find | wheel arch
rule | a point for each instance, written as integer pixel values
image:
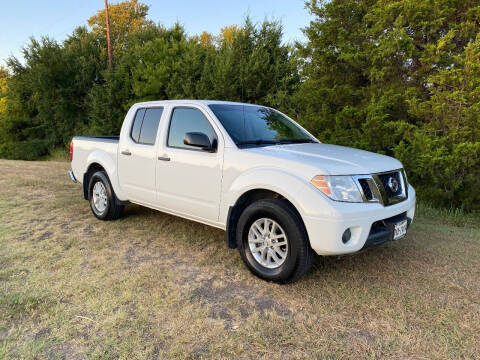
(92, 168)
(247, 198)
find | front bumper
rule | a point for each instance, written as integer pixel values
(325, 233)
(383, 230)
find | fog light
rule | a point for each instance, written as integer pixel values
(347, 234)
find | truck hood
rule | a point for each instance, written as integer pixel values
(325, 159)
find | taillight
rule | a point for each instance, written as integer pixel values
(71, 151)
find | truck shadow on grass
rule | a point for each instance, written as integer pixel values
(218, 290)
(383, 258)
(382, 266)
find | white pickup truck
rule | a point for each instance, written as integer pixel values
(278, 192)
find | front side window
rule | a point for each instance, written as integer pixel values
(185, 120)
(145, 125)
(258, 125)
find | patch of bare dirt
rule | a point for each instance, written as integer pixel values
(46, 235)
(42, 333)
(247, 300)
(88, 231)
(24, 236)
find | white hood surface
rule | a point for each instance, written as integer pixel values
(330, 159)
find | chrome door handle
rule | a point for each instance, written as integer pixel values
(126, 152)
(164, 158)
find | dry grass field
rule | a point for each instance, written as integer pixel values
(153, 286)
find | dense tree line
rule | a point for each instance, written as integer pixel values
(400, 77)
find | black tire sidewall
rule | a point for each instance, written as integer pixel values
(277, 210)
(102, 177)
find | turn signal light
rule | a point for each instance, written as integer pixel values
(321, 184)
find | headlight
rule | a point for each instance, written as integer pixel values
(339, 188)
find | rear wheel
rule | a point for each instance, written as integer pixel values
(103, 202)
(273, 242)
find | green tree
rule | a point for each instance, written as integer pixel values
(109, 99)
(46, 94)
(398, 77)
(169, 68)
(251, 64)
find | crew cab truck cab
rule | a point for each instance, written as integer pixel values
(279, 193)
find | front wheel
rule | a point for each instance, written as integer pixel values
(273, 242)
(103, 201)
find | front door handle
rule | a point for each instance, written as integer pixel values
(126, 152)
(164, 158)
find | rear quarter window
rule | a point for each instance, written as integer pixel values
(137, 125)
(145, 125)
(148, 132)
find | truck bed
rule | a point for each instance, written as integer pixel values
(98, 138)
(99, 147)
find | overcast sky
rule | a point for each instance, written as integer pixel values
(20, 19)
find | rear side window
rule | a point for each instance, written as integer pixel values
(148, 133)
(145, 125)
(186, 120)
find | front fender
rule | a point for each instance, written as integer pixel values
(306, 199)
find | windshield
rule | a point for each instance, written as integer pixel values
(258, 125)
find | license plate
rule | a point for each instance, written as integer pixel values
(400, 230)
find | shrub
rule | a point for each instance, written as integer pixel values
(25, 150)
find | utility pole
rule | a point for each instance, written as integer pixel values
(107, 23)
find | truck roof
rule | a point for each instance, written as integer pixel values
(204, 102)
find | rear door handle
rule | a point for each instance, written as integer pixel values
(164, 158)
(126, 152)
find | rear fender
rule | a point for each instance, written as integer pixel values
(104, 160)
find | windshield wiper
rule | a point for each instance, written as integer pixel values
(275, 142)
(258, 142)
(296, 141)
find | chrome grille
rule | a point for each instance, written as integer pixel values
(387, 188)
(366, 189)
(386, 178)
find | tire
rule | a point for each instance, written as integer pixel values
(297, 253)
(108, 209)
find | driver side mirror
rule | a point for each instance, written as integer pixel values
(200, 140)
